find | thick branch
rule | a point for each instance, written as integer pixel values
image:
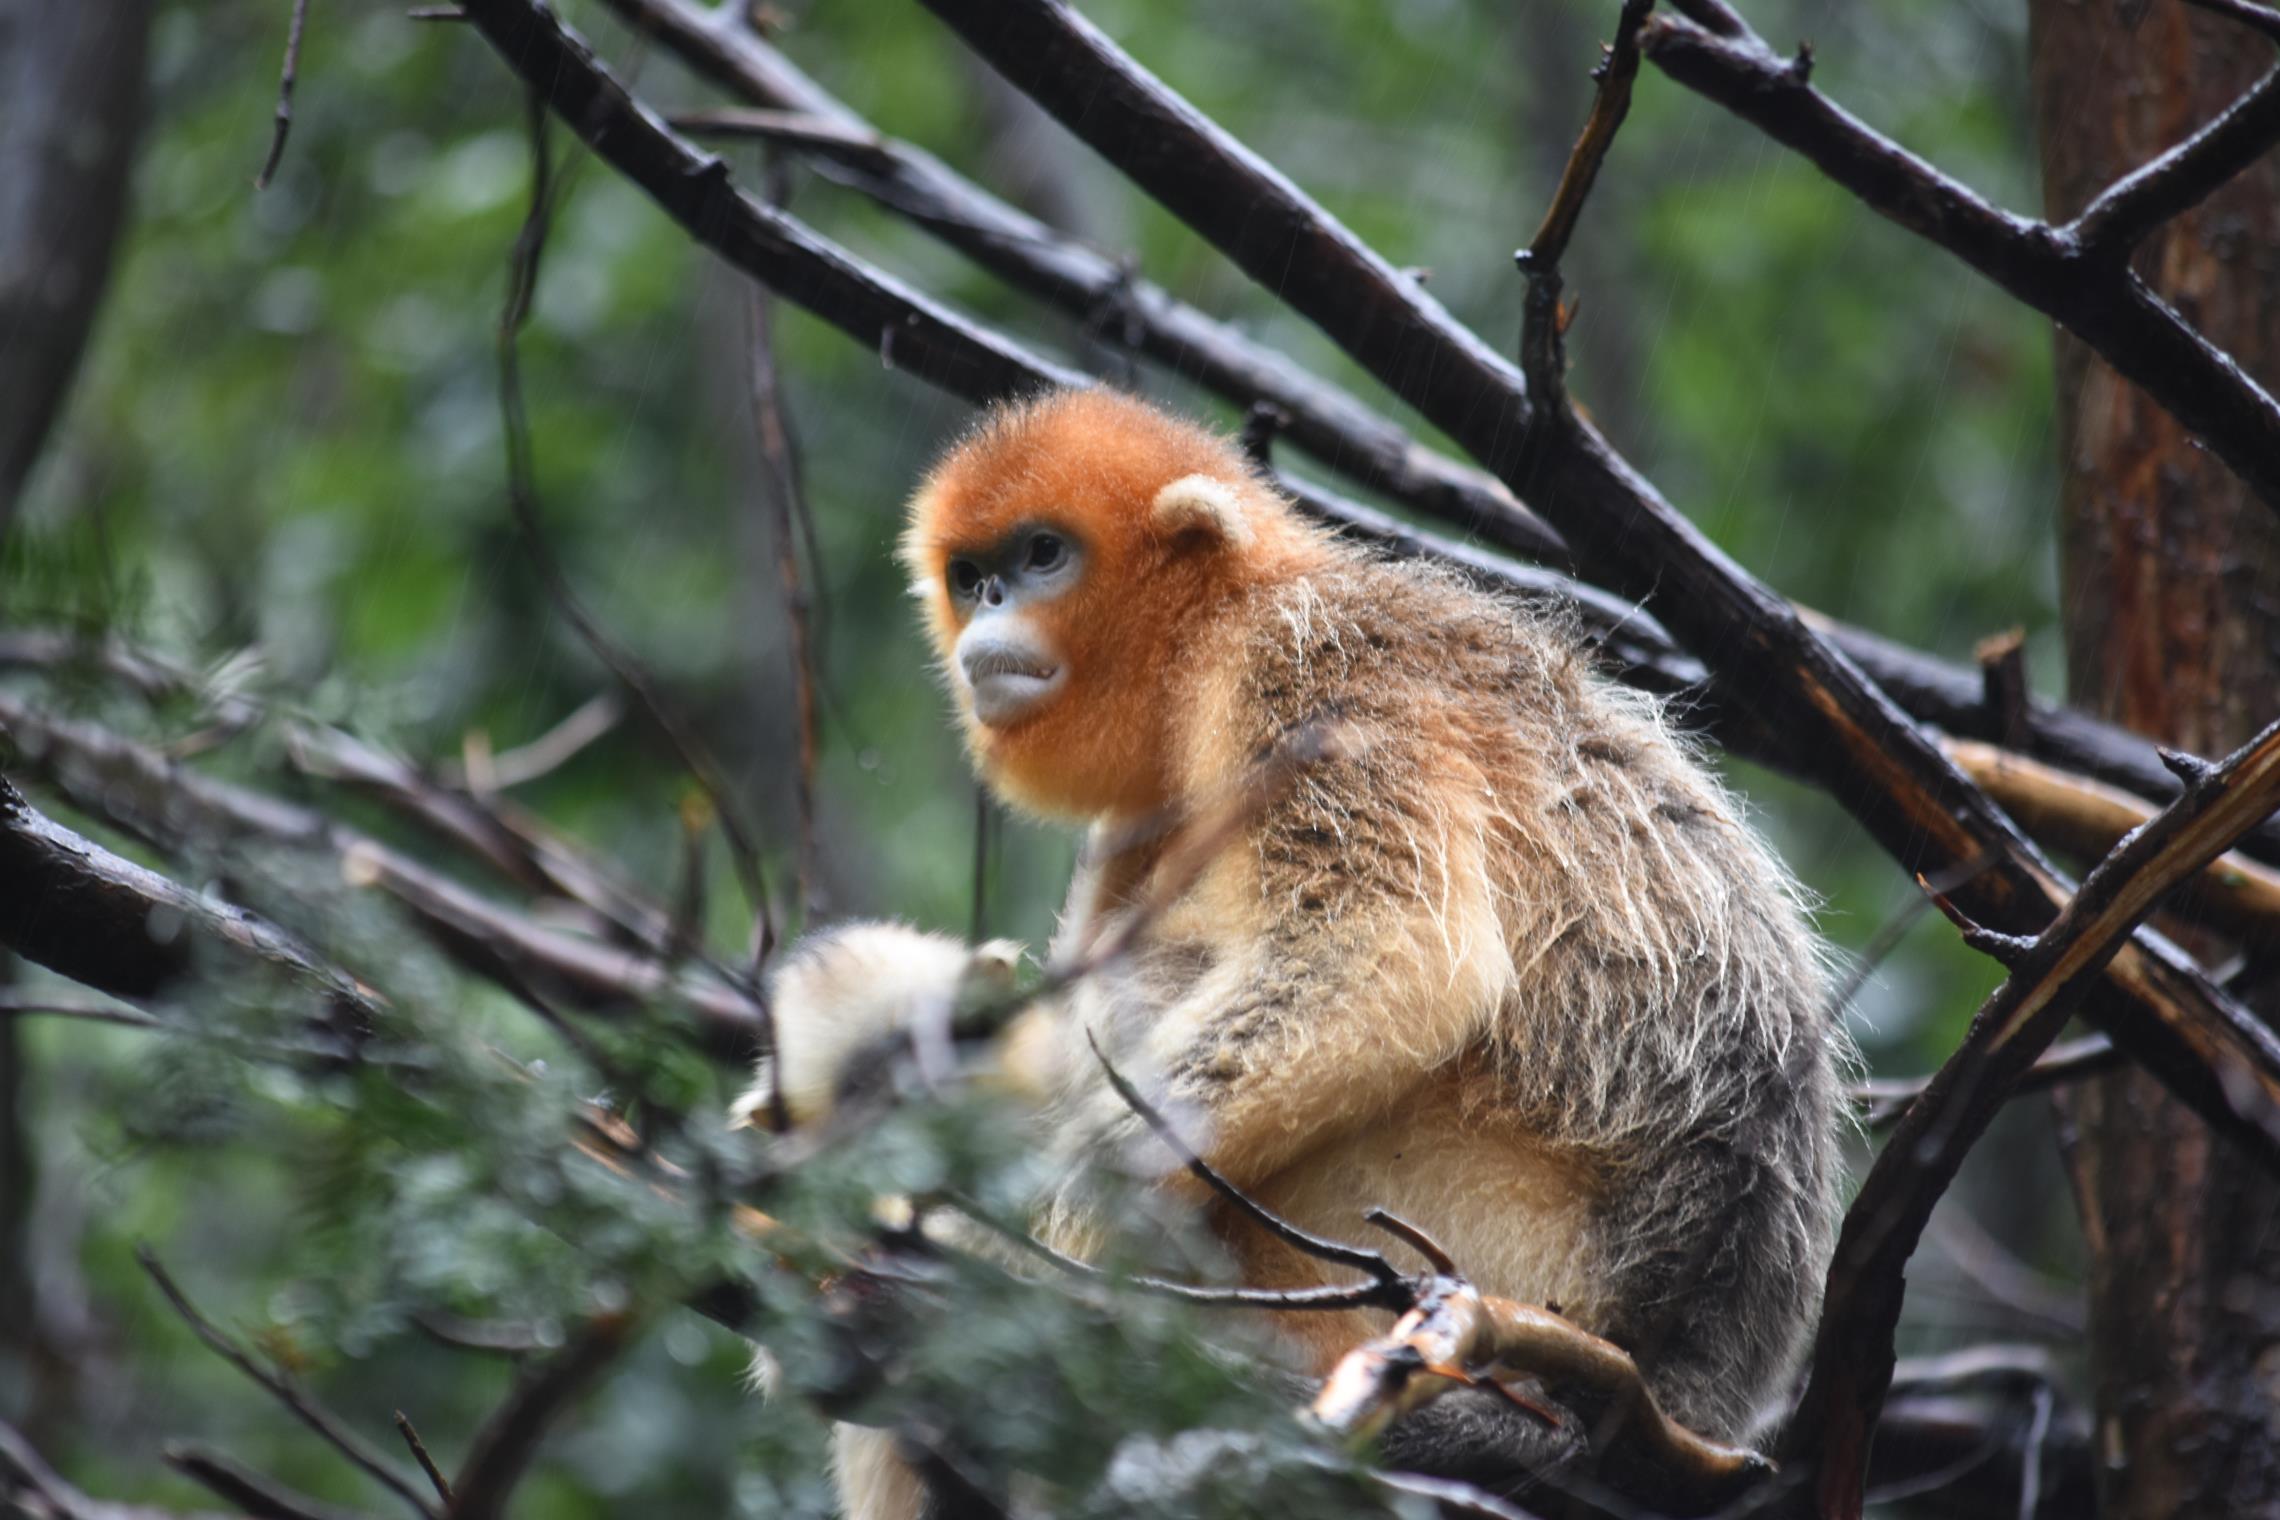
(2084, 286)
(503, 1448)
(85, 913)
(2237, 895)
(1852, 740)
(1852, 1357)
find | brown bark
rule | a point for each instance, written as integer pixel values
(2171, 572)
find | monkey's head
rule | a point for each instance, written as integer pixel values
(1067, 551)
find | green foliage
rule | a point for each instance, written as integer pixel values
(283, 463)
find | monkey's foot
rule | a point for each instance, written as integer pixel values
(1458, 1337)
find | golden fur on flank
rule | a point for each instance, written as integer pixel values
(1509, 962)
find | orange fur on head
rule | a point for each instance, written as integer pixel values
(1170, 520)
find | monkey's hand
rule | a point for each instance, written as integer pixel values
(841, 994)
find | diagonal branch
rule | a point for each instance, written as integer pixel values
(2130, 209)
(85, 913)
(502, 1450)
(1853, 1354)
(31, 1488)
(2082, 283)
(1847, 735)
(147, 794)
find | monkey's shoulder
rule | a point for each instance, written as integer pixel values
(1423, 661)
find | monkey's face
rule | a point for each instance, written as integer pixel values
(1065, 552)
(1006, 655)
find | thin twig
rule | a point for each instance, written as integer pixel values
(1369, 1295)
(13, 1007)
(791, 129)
(286, 76)
(542, 756)
(138, 789)
(1361, 1258)
(522, 496)
(1885, 1099)
(420, 1455)
(787, 495)
(303, 1408)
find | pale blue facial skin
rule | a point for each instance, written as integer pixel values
(1009, 665)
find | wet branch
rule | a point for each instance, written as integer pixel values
(1544, 325)
(502, 1450)
(1853, 1350)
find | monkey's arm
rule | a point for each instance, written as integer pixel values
(1323, 967)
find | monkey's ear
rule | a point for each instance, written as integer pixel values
(1201, 504)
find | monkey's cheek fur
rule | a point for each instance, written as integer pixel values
(1002, 698)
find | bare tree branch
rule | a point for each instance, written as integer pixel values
(1886, 1099)
(145, 792)
(2076, 275)
(435, 1477)
(87, 914)
(503, 1448)
(32, 1489)
(248, 1491)
(1853, 1356)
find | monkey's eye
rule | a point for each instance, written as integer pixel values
(965, 577)
(1047, 551)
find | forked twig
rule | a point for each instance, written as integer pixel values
(303, 1408)
(1542, 352)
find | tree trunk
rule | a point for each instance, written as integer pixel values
(71, 97)
(2171, 576)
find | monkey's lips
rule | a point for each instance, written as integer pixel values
(1007, 688)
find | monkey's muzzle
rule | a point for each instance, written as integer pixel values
(1007, 675)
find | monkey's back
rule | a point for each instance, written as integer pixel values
(1659, 1054)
